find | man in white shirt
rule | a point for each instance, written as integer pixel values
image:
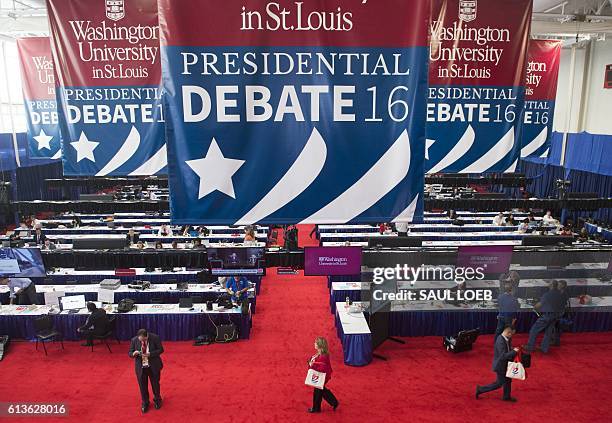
(164, 230)
(499, 220)
(22, 291)
(548, 219)
(401, 228)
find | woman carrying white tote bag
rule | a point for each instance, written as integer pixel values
(319, 374)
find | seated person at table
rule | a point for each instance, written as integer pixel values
(39, 237)
(158, 245)
(249, 235)
(499, 220)
(164, 230)
(96, 324)
(531, 218)
(583, 236)
(175, 244)
(197, 243)
(76, 222)
(22, 291)
(237, 287)
(203, 231)
(48, 245)
(132, 237)
(510, 220)
(186, 230)
(548, 219)
(140, 245)
(524, 226)
(566, 231)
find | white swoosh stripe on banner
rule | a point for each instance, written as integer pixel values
(382, 177)
(462, 146)
(300, 175)
(127, 150)
(57, 155)
(512, 167)
(408, 213)
(545, 154)
(157, 162)
(536, 143)
(494, 155)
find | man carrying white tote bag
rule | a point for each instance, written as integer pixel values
(502, 355)
(515, 369)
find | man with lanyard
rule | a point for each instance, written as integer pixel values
(22, 290)
(146, 349)
(237, 288)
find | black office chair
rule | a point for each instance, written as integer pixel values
(197, 299)
(112, 330)
(157, 300)
(44, 331)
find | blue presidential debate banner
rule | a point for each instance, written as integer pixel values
(543, 59)
(106, 54)
(287, 112)
(38, 83)
(476, 85)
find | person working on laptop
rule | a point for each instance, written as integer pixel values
(237, 288)
(96, 324)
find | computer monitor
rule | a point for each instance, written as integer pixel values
(21, 263)
(73, 302)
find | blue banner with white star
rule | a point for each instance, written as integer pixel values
(38, 83)
(292, 112)
(109, 92)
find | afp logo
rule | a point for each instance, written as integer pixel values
(115, 9)
(467, 10)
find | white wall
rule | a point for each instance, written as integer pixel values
(591, 108)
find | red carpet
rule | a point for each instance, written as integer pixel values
(261, 380)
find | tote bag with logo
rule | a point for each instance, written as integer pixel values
(515, 369)
(315, 379)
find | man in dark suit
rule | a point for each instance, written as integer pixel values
(146, 349)
(96, 324)
(38, 236)
(502, 354)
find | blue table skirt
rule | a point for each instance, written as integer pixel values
(357, 349)
(53, 279)
(447, 323)
(593, 230)
(170, 326)
(143, 297)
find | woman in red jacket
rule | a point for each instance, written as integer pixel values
(320, 362)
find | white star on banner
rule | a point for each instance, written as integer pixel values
(215, 171)
(43, 140)
(84, 148)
